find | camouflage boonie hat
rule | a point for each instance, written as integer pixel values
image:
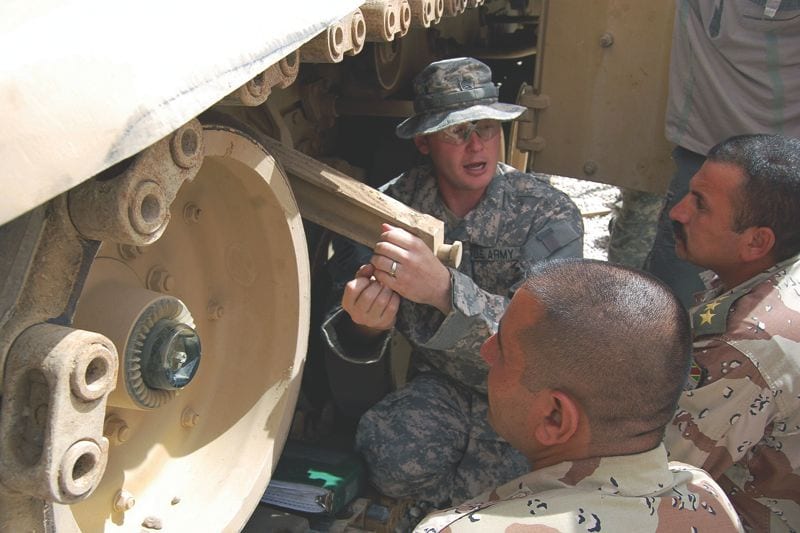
(453, 91)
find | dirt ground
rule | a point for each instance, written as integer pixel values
(595, 200)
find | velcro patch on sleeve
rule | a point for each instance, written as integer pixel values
(557, 235)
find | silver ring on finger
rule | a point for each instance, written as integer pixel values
(393, 269)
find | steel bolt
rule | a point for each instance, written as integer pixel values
(189, 419)
(124, 501)
(116, 430)
(177, 360)
(589, 167)
(606, 40)
(191, 212)
(215, 311)
(171, 355)
(160, 280)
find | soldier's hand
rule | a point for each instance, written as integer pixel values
(372, 306)
(405, 264)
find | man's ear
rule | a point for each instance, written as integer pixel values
(758, 243)
(561, 418)
(421, 141)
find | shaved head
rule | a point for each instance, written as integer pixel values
(616, 340)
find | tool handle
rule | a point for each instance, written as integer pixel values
(450, 254)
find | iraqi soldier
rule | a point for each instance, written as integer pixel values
(585, 371)
(734, 69)
(741, 418)
(430, 440)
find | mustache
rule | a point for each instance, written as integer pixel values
(678, 231)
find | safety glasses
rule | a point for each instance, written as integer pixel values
(460, 133)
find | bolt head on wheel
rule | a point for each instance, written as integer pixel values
(171, 355)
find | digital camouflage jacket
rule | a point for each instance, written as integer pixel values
(521, 220)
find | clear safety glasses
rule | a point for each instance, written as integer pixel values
(460, 133)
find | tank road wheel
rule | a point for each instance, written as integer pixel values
(210, 323)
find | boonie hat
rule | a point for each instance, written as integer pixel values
(453, 91)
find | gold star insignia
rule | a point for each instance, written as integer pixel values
(706, 317)
(712, 306)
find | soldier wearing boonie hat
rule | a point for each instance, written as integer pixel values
(454, 91)
(431, 440)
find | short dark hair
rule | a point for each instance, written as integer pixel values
(614, 338)
(770, 195)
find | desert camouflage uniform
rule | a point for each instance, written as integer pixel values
(431, 439)
(742, 422)
(733, 70)
(640, 493)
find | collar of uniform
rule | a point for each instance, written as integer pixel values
(639, 475)
(481, 225)
(710, 316)
(426, 197)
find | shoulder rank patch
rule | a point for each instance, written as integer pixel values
(711, 318)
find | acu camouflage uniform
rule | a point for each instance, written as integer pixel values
(431, 440)
(742, 421)
(639, 493)
(633, 227)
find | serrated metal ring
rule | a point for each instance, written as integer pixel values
(165, 307)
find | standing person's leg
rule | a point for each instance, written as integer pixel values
(662, 262)
(633, 227)
(420, 442)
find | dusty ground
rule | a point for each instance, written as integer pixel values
(595, 200)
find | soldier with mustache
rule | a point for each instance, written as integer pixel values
(733, 70)
(740, 418)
